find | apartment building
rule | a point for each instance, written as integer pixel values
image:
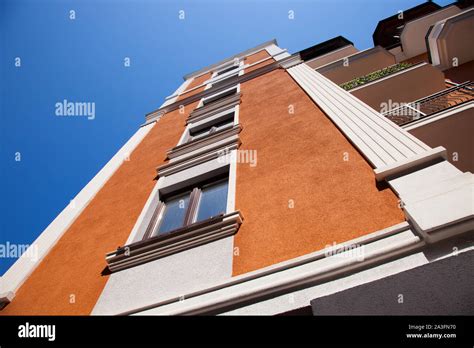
(327, 181)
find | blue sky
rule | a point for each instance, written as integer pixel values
(83, 60)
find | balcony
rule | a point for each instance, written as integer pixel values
(443, 119)
(452, 38)
(332, 56)
(357, 64)
(412, 36)
(399, 83)
(375, 75)
(432, 104)
(328, 51)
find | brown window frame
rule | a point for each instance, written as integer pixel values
(195, 192)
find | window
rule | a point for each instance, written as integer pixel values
(218, 97)
(173, 213)
(200, 203)
(212, 201)
(233, 67)
(227, 80)
(226, 76)
(222, 123)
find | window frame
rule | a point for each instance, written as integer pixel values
(228, 116)
(217, 75)
(162, 209)
(228, 70)
(213, 98)
(234, 108)
(195, 193)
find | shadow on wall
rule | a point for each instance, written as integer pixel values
(419, 291)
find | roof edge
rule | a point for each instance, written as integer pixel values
(243, 53)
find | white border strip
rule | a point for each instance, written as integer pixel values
(318, 270)
(283, 266)
(16, 275)
(380, 141)
(172, 98)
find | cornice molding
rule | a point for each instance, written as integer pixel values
(289, 61)
(205, 156)
(303, 271)
(185, 148)
(229, 59)
(174, 242)
(214, 108)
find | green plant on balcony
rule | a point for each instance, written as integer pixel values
(359, 81)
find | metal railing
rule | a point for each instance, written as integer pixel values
(432, 104)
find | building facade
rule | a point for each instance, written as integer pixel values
(327, 181)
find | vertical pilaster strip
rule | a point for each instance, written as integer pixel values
(386, 146)
(437, 198)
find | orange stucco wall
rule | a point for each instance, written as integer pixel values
(253, 58)
(299, 162)
(74, 265)
(196, 82)
(301, 195)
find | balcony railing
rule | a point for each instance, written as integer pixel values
(432, 104)
(373, 76)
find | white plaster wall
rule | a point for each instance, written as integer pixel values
(171, 276)
(301, 298)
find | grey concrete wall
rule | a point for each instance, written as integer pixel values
(443, 287)
(168, 277)
(289, 303)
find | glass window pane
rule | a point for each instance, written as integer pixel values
(227, 70)
(213, 201)
(173, 215)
